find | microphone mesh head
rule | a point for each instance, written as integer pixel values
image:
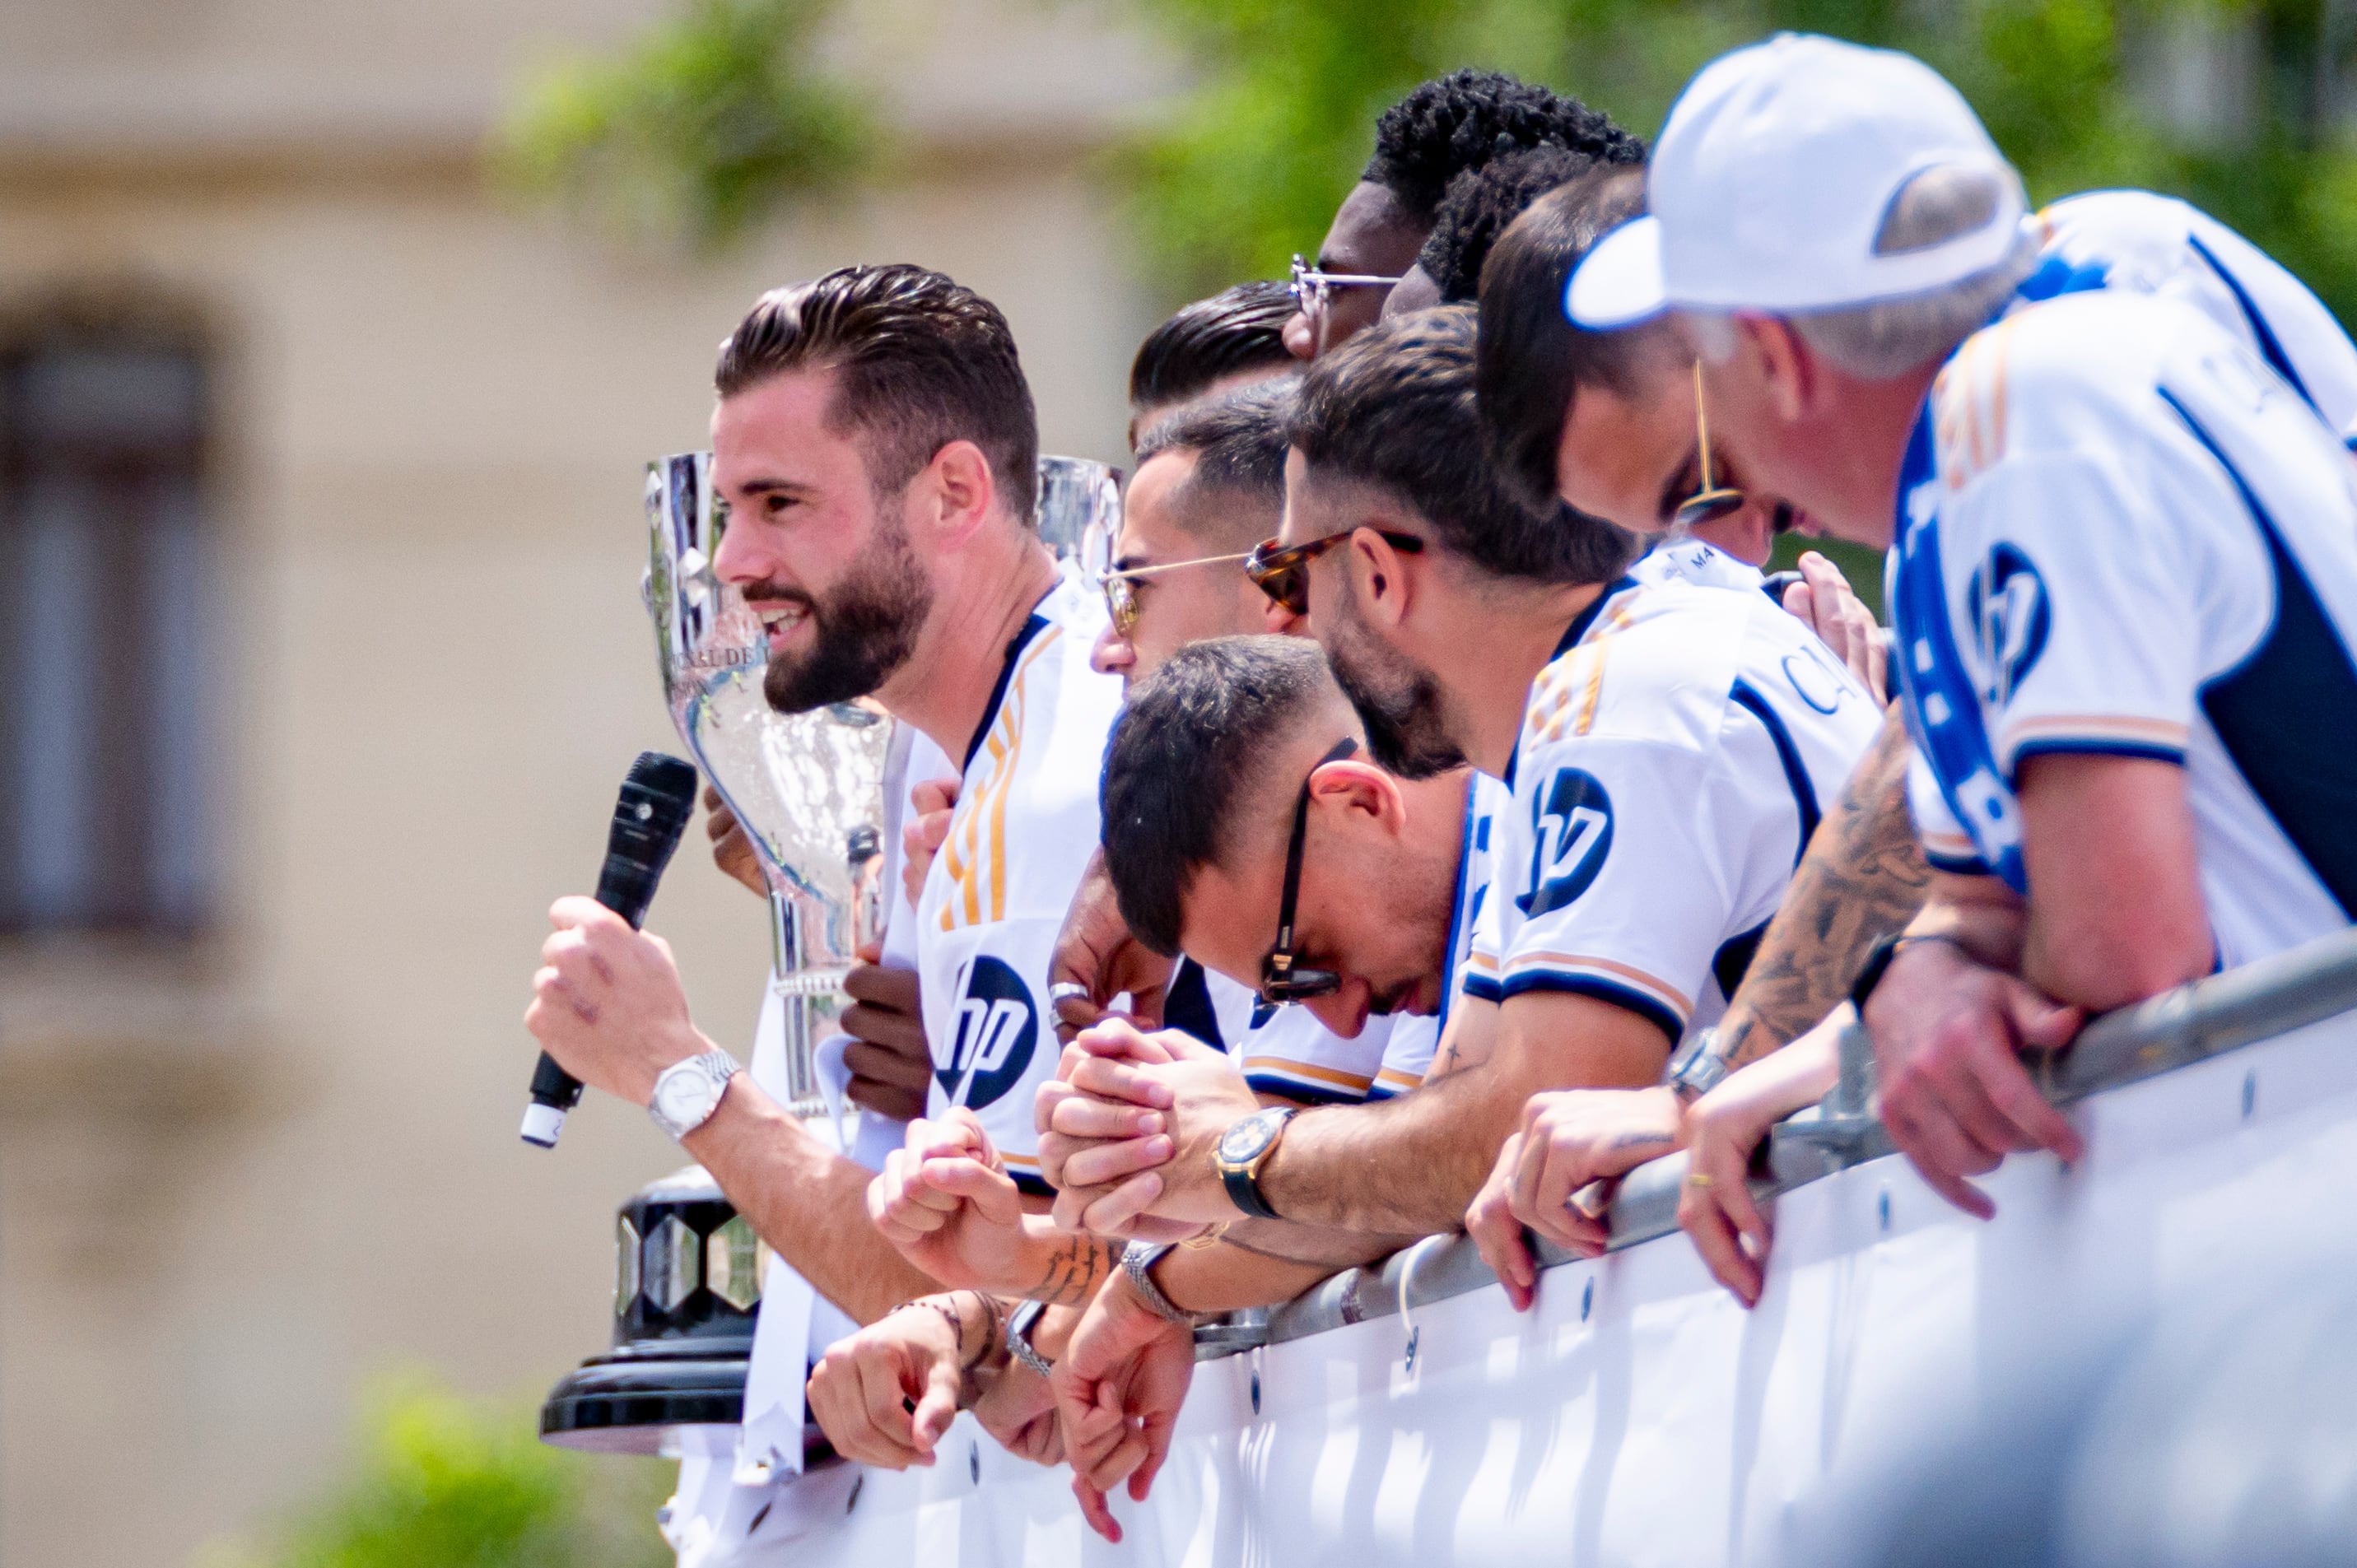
(664, 775)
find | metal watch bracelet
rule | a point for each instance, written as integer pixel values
(1137, 1261)
(1020, 1324)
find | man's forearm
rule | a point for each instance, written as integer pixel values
(1862, 878)
(807, 1202)
(1406, 1167)
(1226, 1278)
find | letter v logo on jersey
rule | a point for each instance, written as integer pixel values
(1571, 833)
(997, 1030)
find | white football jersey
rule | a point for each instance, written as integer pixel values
(1672, 765)
(2122, 531)
(2139, 242)
(1693, 561)
(996, 895)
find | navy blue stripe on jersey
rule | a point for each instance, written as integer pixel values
(1957, 865)
(1032, 628)
(2094, 746)
(1628, 996)
(1483, 988)
(1301, 1093)
(1466, 909)
(1733, 959)
(1796, 774)
(2258, 323)
(2283, 714)
(1187, 1004)
(1036, 1185)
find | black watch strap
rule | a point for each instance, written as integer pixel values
(1869, 975)
(1244, 1192)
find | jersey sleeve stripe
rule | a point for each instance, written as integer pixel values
(1391, 1080)
(1562, 964)
(1644, 1004)
(1282, 1066)
(2091, 732)
(1302, 1090)
(1483, 988)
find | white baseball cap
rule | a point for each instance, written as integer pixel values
(1771, 180)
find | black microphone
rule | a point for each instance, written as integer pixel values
(656, 801)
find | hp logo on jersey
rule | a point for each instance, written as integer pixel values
(997, 1030)
(2010, 619)
(1571, 833)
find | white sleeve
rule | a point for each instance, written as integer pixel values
(1296, 1056)
(1616, 882)
(1945, 844)
(2076, 591)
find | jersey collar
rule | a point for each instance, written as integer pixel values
(1032, 626)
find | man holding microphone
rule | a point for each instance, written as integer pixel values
(876, 443)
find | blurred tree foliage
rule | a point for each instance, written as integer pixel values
(717, 116)
(695, 131)
(2239, 106)
(444, 1482)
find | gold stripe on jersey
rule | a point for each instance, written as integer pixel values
(2094, 726)
(975, 850)
(1568, 691)
(1398, 1082)
(1568, 963)
(1968, 405)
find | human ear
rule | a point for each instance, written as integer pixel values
(961, 488)
(1353, 786)
(1785, 367)
(1383, 586)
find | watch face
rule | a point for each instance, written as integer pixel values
(1246, 1138)
(684, 1098)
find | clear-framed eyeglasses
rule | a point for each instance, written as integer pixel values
(1121, 588)
(1313, 291)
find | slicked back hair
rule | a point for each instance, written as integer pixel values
(1394, 408)
(1185, 758)
(1531, 361)
(920, 362)
(1240, 443)
(1461, 121)
(1479, 206)
(1237, 330)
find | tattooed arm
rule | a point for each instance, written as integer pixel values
(1862, 878)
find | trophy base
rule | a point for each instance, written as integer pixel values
(634, 1402)
(810, 982)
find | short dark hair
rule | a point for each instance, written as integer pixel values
(1240, 328)
(1480, 203)
(1394, 408)
(920, 362)
(1184, 757)
(1461, 121)
(1240, 442)
(1531, 359)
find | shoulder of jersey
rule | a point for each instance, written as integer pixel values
(1657, 666)
(2053, 379)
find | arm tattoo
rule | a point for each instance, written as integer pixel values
(1075, 1269)
(1862, 878)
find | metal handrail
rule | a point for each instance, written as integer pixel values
(2176, 1029)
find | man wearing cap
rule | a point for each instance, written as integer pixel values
(2126, 565)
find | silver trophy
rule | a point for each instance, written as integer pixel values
(1080, 512)
(807, 788)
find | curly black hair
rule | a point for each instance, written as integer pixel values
(1480, 203)
(1461, 121)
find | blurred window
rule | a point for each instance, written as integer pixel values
(105, 672)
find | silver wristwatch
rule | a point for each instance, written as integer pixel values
(1018, 1338)
(689, 1092)
(1703, 1068)
(1137, 1261)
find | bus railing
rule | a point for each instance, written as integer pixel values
(2178, 1028)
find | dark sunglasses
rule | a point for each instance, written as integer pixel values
(1280, 980)
(1282, 571)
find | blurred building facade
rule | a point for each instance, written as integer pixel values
(320, 655)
